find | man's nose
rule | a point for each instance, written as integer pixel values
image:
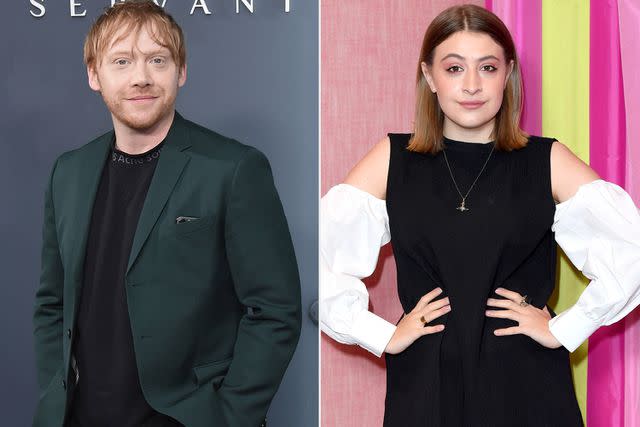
(141, 76)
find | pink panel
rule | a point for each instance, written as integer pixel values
(629, 18)
(524, 20)
(605, 375)
(369, 59)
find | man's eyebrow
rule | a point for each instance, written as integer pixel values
(455, 55)
(160, 51)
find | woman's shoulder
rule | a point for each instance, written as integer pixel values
(370, 173)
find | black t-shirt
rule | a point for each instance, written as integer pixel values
(108, 391)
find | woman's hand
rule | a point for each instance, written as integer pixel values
(532, 321)
(412, 326)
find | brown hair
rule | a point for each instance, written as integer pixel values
(131, 16)
(429, 118)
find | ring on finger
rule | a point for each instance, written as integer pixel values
(423, 320)
(524, 301)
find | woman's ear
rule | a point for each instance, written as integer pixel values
(511, 65)
(427, 75)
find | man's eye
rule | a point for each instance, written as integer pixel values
(121, 62)
(452, 67)
(158, 60)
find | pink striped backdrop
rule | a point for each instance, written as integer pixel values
(368, 68)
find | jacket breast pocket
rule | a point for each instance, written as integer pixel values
(213, 372)
(188, 228)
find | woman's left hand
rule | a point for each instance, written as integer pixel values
(532, 321)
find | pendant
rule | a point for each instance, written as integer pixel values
(462, 208)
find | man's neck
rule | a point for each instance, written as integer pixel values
(134, 141)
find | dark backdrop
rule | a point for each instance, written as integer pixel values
(253, 77)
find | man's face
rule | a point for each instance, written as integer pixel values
(138, 80)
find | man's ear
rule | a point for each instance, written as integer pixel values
(427, 75)
(92, 76)
(182, 75)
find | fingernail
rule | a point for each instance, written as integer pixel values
(439, 289)
(499, 290)
(448, 308)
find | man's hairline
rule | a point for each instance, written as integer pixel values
(118, 36)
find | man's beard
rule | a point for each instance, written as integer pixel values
(140, 122)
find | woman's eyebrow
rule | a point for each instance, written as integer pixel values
(455, 55)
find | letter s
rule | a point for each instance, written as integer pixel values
(41, 10)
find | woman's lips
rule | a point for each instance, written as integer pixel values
(472, 105)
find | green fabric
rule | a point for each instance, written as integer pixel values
(214, 303)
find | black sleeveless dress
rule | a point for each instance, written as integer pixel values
(467, 376)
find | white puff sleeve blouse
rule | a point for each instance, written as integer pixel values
(598, 228)
(353, 226)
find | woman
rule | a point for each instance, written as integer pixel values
(469, 200)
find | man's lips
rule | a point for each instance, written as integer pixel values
(142, 98)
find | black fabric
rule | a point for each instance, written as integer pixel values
(108, 392)
(466, 375)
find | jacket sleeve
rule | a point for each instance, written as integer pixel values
(47, 317)
(599, 230)
(353, 226)
(265, 275)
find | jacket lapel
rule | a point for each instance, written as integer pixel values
(170, 165)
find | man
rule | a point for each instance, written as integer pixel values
(169, 292)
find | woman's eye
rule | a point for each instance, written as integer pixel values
(490, 66)
(452, 67)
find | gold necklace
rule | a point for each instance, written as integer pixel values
(462, 206)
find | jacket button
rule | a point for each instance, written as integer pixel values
(68, 333)
(64, 384)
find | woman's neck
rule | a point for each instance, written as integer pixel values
(481, 134)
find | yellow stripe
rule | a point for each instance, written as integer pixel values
(565, 116)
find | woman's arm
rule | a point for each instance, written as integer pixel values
(353, 227)
(598, 226)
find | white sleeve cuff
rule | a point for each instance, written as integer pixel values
(372, 332)
(572, 327)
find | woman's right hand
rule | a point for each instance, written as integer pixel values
(412, 326)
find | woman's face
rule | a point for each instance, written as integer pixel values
(469, 75)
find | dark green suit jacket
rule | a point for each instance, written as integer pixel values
(214, 303)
